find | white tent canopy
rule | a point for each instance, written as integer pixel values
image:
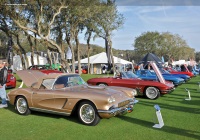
(17, 63)
(101, 58)
(97, 60)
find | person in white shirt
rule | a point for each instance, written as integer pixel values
(3, 79)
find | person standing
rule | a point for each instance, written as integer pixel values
(3, 79)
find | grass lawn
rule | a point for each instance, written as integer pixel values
(181, 118)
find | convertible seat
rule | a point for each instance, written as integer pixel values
(59, 86)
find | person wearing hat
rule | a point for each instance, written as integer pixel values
(3, 79)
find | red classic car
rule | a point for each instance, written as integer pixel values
(43, 68)
(173, 71)
(51, 71)
(37, 67)
(151, 89)
(11, 80)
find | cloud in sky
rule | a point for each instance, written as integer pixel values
(182, 20)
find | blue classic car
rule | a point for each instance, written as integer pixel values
(183, 76)
(195, 72)
(150, 75)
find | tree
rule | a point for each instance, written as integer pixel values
(43, 14)
(54, 23)
(147, 42)
(163, 44)
(107, 21)
(13, 31)
(197, 57)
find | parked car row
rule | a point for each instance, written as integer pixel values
(150, 83)
(55, 92)
(151, 75)
(151, 88)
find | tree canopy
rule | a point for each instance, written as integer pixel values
(163, 44)
(57, 24)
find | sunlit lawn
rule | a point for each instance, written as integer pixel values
(181, 118)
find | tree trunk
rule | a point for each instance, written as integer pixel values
(23, 52)
(78, 52)
(20, 54)
(111, 53)
(32, 49)
(88, 52)
(64, 62)
(38, 60)
(54, 58)
(49, 56)
(68, 39)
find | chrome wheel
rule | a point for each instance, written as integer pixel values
(102, 84)
(152, 93)
(87, 113)
(22, 106)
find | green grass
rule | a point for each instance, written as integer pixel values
(181, 118)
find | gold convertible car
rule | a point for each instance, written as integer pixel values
(64, 94)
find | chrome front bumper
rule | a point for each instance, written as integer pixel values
(167, 91)
(118, 110)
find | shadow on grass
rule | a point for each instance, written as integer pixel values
(186, 94)
(175, 98)
(191, 102)
(11, 108)
(172, 107)
(168, 129)
(189, 88)
(193, 83)
(19, 80)
(194, 99)
(73, 117)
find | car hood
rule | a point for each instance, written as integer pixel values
(94, 89)
(30, 76)
(108, 91)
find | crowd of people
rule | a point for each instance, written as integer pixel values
(3, 79)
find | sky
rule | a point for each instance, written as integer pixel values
(180, 17)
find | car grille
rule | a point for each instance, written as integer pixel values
(121, 104)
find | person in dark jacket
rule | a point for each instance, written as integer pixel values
(3, 79)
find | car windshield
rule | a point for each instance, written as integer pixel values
(173, 69)
(164, 71)
(152, 72)
(128, 74)
(69, 80)
(76, 80)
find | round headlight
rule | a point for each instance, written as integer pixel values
(111, 99)
(134, 92)
(12, 77)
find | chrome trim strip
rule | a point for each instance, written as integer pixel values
(64, 103)
(167, 91)
(96, 87)
(50, 111)
(116, 111)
